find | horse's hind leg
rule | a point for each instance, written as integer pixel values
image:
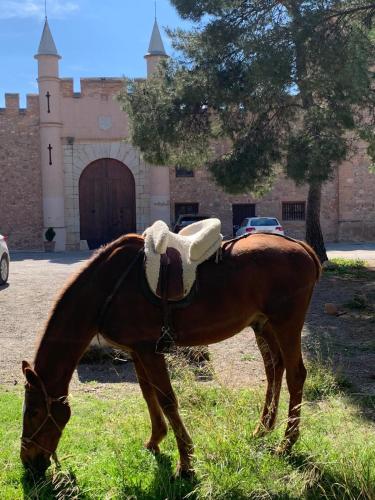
(158, 424)
(274, 368)
(290, 345)
(158, 376)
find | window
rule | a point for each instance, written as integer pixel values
(185, 208)
(240, 211)
(263, 222)
(294, 210)
(184, 172)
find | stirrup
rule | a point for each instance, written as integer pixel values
(166, 342)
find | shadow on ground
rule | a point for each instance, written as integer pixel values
(60, 486)
(345, 344)
(107, 365)
(320, 483)
(54, 257)
(64, 484)
(164, 484)
(107, 372)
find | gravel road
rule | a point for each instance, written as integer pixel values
(36, 278)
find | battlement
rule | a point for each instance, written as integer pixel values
(66, 86)
(12, 104)
(101, 88)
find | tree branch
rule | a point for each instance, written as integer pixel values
(353, 10)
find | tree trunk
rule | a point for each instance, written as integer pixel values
(314, 235)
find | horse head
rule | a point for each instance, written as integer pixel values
(44, 418)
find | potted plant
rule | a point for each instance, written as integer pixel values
(49, 244)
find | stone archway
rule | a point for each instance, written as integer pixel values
(106, 201)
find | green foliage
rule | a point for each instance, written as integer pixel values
(165, 118)
(358, 302)
(249, 165)
(280, 83)
(322, 383)
(348, 268)
(50, 234)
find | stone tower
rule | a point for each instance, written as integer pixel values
(156, 51)
(160, 197)
(50, 137)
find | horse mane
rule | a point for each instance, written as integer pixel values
(97, 259)
(99, 256)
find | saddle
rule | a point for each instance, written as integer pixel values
(171, 260)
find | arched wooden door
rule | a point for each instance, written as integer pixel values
(106, 201)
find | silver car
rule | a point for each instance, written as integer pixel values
(4, 260)
(260, 225)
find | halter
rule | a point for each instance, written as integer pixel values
(31, 440)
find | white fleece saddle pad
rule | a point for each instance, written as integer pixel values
(195, 243)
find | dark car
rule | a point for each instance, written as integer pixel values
(4, 260)
(187, 219)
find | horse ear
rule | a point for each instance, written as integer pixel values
(31, 377)
(25, 364)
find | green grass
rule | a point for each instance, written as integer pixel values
(358, 302)
(103, 458)
(347, 268)
(248, 357)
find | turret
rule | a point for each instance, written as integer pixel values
(50, 136)
(156, 51)
(160, 188)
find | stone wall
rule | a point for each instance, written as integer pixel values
(214, 201)
(93, 114)
(356, 192)
(21, 215)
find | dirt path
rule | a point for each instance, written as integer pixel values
(346, 342)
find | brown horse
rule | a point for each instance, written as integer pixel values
(265, 281)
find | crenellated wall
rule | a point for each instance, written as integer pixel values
(21, 184)
(93, 114)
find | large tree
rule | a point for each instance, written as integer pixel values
(286, 84)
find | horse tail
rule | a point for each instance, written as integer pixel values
(314, 257)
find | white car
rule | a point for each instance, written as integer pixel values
(4, 260)
(252, 225)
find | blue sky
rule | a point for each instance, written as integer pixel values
(94, 38)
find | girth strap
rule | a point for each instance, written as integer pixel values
(168, 337)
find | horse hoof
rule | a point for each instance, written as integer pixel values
(284, 448)
(182, 473)
(259, 431)
(152, 447)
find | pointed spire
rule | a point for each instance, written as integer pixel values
(47, 46)
(156, 47)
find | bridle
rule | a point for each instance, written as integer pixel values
(48, 401)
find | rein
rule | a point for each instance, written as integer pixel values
(31, 440)
(116, 288)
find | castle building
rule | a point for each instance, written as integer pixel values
(65, 163)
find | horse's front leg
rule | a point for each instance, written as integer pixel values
(158, 424)
(158, 376)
